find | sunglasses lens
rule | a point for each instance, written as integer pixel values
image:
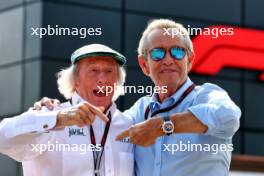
(178, 53)
(157, 54)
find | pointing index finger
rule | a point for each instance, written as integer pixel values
(97, 112)
(122, 135)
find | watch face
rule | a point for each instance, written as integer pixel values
(168, 127)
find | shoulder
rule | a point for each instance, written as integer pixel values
(136, 111)
(208, 88)
(63, 105)
(142, 102)
(209, 92)
(45, 109)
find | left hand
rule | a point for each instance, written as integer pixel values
(144, 133)
(48, 102)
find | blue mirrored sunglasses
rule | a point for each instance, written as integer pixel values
(158, 54)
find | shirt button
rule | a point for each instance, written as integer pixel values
(45, 126)
(109, 170)
(107, 148)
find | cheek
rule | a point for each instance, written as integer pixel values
(85, 83)
(153, 69)
(150, 67)
(113, 81)
(183, 66)
(77, 84)
(186, 67)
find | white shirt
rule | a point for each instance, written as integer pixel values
(22, 137)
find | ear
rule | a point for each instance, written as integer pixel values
(190, 61)
(76, 83)
(143, 65)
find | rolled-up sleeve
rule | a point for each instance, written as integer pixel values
(214, 108)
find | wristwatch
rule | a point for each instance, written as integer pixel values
(167, 126)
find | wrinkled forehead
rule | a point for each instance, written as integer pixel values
(164, 38)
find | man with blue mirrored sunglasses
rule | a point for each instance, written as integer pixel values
(169, 125)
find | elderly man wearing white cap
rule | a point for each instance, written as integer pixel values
(78, 137)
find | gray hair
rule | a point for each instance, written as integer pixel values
(160, 24)
(67, 78)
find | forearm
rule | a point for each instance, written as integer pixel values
(145, 133)
(186, 122)
(18, 134)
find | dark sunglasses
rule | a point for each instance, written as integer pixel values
(158, 54)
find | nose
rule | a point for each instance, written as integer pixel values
(101, 78)
(168, 60)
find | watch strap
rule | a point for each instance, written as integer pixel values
(166, 118)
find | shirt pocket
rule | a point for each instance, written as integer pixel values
(77, 164)
(126, 161)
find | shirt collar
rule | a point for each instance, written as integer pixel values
(77, 99)
(155, 104)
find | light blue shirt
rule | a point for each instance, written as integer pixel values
(211, 155)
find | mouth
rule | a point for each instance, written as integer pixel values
(99, 93)
(168, 71)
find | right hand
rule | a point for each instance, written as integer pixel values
(82, 115)
(47, 102)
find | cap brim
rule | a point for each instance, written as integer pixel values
(120, 60)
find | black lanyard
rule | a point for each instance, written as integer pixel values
(185, 93)
(97, 155)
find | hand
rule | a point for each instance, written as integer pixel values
(144, 133)
(48, 102)
(82, 115)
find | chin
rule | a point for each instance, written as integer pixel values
(170, 84)
(103, 102)
(167, 82)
